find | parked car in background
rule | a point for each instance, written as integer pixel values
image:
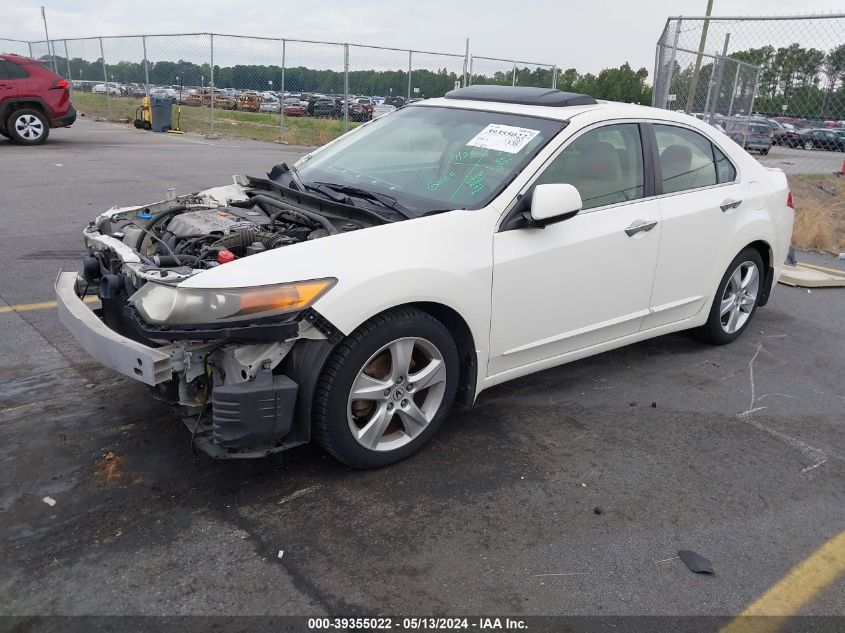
(324, 107)
(296, 100)
(295, 109)
(270, 105)
(396, 102)
(784, 134)
(402, 280)
(822, 138)
(360, 109)
(184, 94)
(33, 99)
(381, 110)
(751, 134)
(250, 102)
(112, 89)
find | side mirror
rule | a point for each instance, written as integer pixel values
(553, 202)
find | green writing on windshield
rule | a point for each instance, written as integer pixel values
(434, 185)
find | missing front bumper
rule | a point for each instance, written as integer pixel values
(130, 358)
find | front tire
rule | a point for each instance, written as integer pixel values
(386, 389)
(27, 127)
(736, 299)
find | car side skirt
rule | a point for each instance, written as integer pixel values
(562, 359)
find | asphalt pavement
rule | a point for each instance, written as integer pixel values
(566, 492)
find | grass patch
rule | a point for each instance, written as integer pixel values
(253, 125)
(819, 212)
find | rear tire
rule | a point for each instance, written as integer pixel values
(27, 127)
(404, 366)
(808, 145)
(736, 299)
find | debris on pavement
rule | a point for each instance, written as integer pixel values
(281, 553)
(597, 510)
(49, 501)
(696, 562)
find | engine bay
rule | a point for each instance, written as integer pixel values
(171, 240)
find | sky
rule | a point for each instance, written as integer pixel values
(587, 35)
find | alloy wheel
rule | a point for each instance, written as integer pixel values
(396, 394)
(29, 127)
(740, 297)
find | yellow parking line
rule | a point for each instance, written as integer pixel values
(794, 591)
(43, 305)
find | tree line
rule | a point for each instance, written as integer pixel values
(809, 82)
(618, 84)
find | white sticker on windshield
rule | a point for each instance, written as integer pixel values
(503, 138)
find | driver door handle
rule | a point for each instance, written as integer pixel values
(729, 204)
(640, 226)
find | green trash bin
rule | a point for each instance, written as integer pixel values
(162, 113)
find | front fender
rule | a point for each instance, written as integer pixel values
(445, 258)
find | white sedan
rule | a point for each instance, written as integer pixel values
(430, 254)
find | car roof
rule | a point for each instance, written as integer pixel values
(19, 59)
(599, 110)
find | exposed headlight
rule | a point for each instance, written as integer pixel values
(160, 304)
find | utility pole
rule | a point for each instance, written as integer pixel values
(701, 44)
(47, 37)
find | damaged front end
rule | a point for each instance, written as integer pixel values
(242, 361)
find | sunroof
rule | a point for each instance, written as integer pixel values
(521, 95)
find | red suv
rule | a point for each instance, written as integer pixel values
(32, 100)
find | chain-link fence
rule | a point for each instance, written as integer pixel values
(16, 47)
(773, 84)
(505, 72)
(268, 88)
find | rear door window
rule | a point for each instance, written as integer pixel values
(686, 159)
(725, 171)
(8, 70)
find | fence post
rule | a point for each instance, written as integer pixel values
(733, 94)
(701, 44)
(513, 77)
(346, 87)
(470, 69)
(211, 81)
(466, 62)
(146, 67)
(554, 77)
(30, 48)
(282, 118)
(671, 69)
(720, 71)
(106, 78)
(410, 61)
(67, 63)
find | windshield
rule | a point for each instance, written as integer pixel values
(433, 158)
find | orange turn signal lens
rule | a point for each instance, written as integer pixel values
(285, 298)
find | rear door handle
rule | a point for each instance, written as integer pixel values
(729, 204)
(640, 226)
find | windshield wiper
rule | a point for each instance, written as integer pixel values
(296, 181)
(382, 198)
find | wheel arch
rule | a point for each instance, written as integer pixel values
(20, 103)
(766, 253)
(465, 342)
